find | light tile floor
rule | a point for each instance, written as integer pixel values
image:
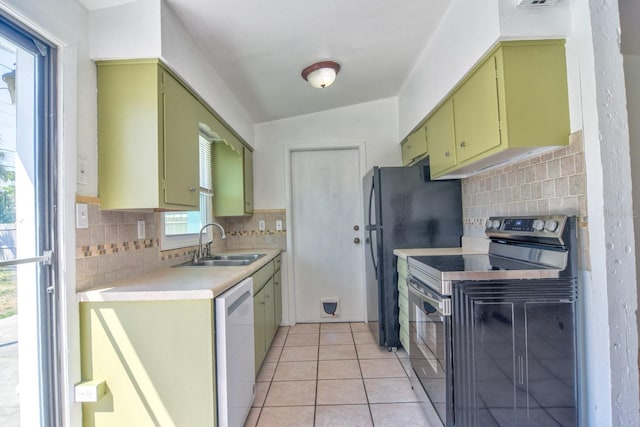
(333, 375)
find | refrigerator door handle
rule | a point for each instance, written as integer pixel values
(371, 228)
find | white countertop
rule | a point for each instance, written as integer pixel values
(179, 283)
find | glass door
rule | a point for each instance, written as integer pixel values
(28, 360)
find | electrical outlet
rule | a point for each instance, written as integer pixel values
(278, 225)
(261, 225)
(82, 215)
(140, 230)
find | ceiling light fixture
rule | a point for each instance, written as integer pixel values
(321, 74)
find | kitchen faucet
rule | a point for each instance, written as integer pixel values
(198, 254)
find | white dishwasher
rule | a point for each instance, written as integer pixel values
(235, 354)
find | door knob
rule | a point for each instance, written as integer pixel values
(356, 240)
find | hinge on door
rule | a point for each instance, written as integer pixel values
(164, 184)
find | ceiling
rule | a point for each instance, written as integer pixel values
(260, 47)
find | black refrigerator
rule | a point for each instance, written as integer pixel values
(403, 209)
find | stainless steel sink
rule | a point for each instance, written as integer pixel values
(231, 260)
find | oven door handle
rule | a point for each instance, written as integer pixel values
(442, 305)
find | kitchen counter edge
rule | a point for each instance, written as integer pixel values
(179, 283)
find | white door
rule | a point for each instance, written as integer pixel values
(28, 312)
(326, 233)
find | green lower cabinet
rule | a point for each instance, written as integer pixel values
(277, 292)
(267, 307)
(157, 359)
(259, 328)
(269, 312)
(403, 303)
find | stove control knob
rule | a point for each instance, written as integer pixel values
(538, 225)
(551, 225)
(487, 224)
(496, 224)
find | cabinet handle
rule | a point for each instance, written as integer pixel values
(447, 154)
(521, 369)
(463, 144)
(192, 189)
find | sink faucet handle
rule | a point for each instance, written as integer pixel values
(207, 249)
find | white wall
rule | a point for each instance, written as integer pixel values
(613, 279)
(373, 122)
(65, 22)
(182, 54)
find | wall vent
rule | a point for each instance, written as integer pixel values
(532, 3)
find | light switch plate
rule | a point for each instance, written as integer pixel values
(278, 225)
(261, 225)
(82, 215)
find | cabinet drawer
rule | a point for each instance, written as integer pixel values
(402, 266)
(262, 276)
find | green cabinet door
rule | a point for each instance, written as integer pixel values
(277, 295)
(475, 106)
(232, 179)
(414, 147)
(259, 328)
(180, 125)
(441, 138)
(269, 313)
(147, 138)
(247, 172)
(403, 303)
(157, 359)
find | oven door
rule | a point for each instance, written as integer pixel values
(430, 350)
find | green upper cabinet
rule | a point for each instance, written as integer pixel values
(414, 148)
(440, 130)
(147, 138)
(477, 122)
(232, 179)
(512, 105)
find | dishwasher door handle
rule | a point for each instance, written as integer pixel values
(237, 303)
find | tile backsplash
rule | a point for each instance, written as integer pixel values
(109, 249)
(552, 183)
